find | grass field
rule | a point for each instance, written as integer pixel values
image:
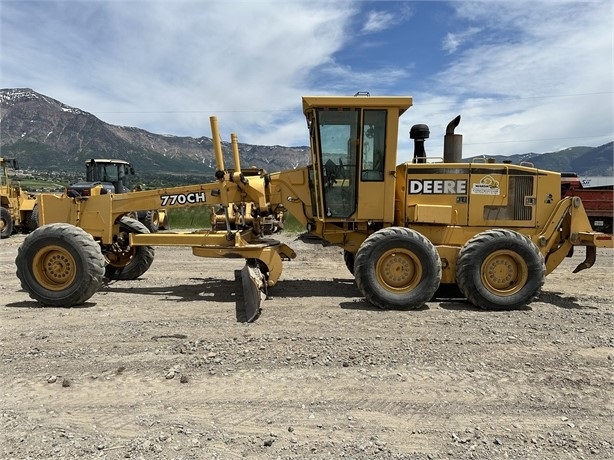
(33, 185)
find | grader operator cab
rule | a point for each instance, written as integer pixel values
(111, 176)
(495, 230)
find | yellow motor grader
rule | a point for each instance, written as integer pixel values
(493, 229)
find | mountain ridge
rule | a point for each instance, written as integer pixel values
(44, 133)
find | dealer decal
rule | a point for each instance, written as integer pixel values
(437, 187)
(183, 198)
(486, 186)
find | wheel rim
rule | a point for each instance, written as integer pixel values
(504, 273)
(120, 259)
(399, 270)
(155, 218)
(54, 268)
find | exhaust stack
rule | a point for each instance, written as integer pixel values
(453, 143)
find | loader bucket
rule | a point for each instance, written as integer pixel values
(253, 285)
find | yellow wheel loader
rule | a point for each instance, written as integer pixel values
(493, 229)
(18, 209)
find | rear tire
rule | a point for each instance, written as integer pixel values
(128, 262)
(349, 259)
(6, 223)
(32, 220)
(500, 269)
(397, 267)
(163, 220)
(152, 221)
(60, 265)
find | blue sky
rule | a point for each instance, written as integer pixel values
(525, 76)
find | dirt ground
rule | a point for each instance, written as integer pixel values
(159, 368)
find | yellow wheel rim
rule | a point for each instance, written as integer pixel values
(504, 273)
(54, 268)
(398, 270)
(120, 259)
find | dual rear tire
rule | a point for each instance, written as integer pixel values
(497, 269)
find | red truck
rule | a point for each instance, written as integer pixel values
(598, 201)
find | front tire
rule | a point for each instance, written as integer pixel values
(500, 269)
(6, 223)
(60, 265)
(127, 262)
(397, 267)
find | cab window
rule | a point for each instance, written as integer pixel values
(373, 145)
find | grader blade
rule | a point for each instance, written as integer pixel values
(253, 285)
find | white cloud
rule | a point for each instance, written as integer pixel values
(380, 20)
(453, 41)
(538, 78)
(167, 66)
(377, 21)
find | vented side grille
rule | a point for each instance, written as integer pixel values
(523, 187)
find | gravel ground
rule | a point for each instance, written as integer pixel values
(159, 368)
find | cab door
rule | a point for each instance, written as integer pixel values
(338, 146)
